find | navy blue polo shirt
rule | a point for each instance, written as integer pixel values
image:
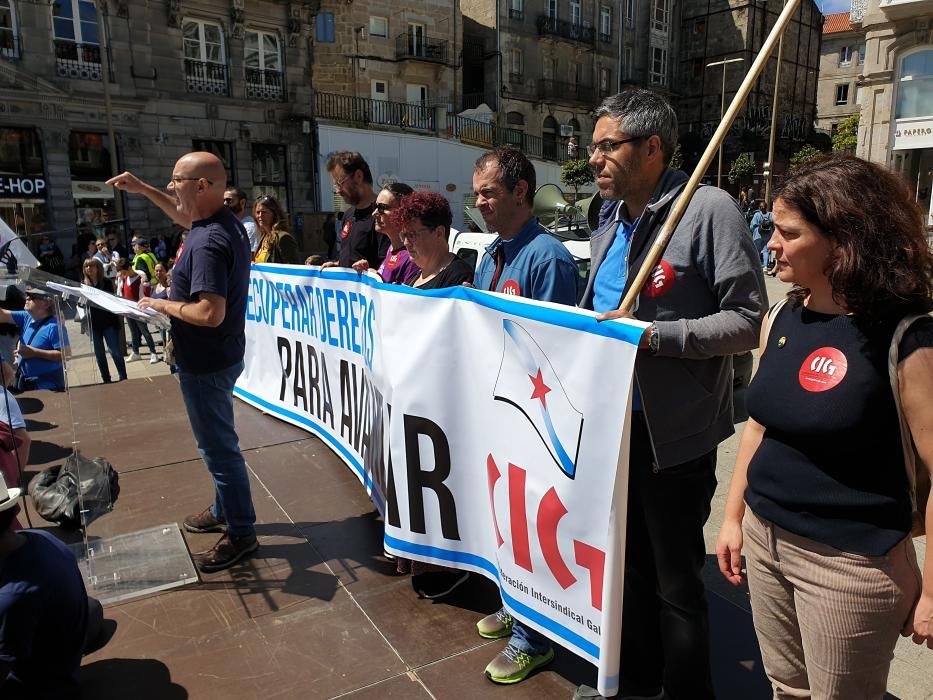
(216, 259)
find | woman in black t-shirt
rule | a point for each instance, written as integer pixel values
(424, 219)
(832, 569)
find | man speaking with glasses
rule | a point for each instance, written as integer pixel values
(705, 301)
(210, 281)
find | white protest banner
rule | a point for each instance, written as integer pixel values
(487, 429)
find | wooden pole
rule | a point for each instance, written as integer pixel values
(680, 206)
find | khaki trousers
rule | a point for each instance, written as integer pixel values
(827, 621)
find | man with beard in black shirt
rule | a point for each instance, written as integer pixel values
(357, 239)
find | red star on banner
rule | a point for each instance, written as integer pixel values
(541, 389)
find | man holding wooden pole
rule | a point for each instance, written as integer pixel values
(705, 299)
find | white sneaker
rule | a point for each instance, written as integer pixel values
(132, 357)
(153, 359)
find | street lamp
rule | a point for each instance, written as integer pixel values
(722, 108)
(774, 107)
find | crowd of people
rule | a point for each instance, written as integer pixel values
(827, 488)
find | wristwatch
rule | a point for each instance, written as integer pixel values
(654, 340)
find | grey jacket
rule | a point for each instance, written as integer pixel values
(707, 302)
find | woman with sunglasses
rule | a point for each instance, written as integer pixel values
(105, 326)
(397, 267)
(276, 244)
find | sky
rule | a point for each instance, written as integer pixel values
(830, 6)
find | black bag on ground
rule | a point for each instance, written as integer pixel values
(55, 491)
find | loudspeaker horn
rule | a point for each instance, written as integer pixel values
(477, 218)
(590, 208)
(549, 204)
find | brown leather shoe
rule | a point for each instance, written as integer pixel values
(226, 552)
(204, 522)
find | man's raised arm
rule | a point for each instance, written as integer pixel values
(130, 183)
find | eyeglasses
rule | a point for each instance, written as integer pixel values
(415, 234)
(176, 179)
(607, 147)
(35, 297)
(380, 207)
(338, 183)
(228, 200)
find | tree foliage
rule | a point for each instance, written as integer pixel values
(741, 168)
(804, 155)
(576, 174)
(846, 137)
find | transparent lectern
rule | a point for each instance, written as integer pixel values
(118, 564)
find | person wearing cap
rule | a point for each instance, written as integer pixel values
(144, 262)
(40, 354)
(210, 285)
(47, 620)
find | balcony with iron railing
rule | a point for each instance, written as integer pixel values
(564, 29)
(206, 77)
(265, 84)
(362, 110)
(78, 61)
(559, 91)
(417, 47)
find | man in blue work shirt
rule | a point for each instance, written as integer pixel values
(524, 260)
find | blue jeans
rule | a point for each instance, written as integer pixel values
(137, 329)
(528, 640)
(209, 402)
(111, 334)
(765, 253)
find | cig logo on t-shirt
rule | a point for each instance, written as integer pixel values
(511, 288)
(661, 280)
(823, 369)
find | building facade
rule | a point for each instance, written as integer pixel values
(713, 31)
(541, 66)
(842, 56)
(896, 100)
(402, 53)
(229, 77)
